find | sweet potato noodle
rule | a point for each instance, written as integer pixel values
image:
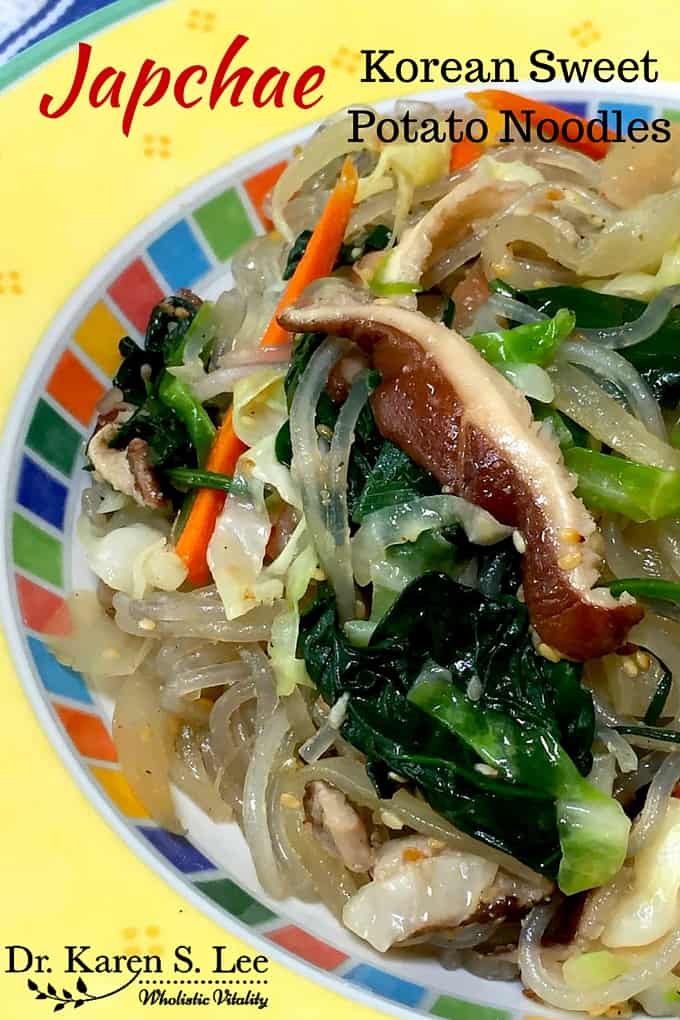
(431, 665)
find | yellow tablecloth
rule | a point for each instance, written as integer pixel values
(71, 189)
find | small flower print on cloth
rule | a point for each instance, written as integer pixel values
(24, 22)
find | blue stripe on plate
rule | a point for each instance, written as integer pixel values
(41, 493)
(56, 678)
(176, 849)
(579, 109)
(629, 111)
(179, 256)
(388, 985)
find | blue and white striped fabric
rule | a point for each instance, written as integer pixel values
(24, 22)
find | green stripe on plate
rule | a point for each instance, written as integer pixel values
(54, 439)
(36, 551)
(235, 900)
(34, 56)
(460, 1009)
(225, 223)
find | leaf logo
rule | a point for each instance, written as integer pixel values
(67, 998)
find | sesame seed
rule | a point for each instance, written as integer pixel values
(569, 561)
(518, 542)
(391, 820)
(486, 770)
(146, 624)
(643, 660)
(571, 536)
(630, 668)
(396, 778)
(436, 844)
(551, 654)
(289, 800)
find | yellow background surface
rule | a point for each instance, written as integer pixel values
(71, 190)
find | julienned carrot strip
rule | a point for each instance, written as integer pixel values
(498, 99)
(465, 152)
(317, 261)
(321, 251)
(192, 544)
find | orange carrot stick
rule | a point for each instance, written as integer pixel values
(465, 152)
(498, 99)
(321, 251)
(192, 544)
(317, 261)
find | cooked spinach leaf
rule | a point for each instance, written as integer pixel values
(168, 439)
(478, 639)
(657, 358)
(375, 239)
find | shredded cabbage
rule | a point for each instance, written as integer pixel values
(644, 286)
(133, 558)
(237, 548)
(259, 407)
(288, 669)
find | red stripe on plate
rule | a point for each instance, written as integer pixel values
(136, 292)
(41, 610)
(302, 944)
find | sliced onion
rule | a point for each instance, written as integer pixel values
(612, 366)
(658, 796)
(222, 380)
(579, 397)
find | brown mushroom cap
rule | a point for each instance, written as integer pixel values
(460, 419)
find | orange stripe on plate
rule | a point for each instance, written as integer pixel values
(87, 732)
(119, 790)
(259, 186)
(74, 387)
(98, 335)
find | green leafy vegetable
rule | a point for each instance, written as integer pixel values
(168, 324)
(592, 827)
(535, 343)
(169, 441)
(129, 378)
(650, 733)
(377, 239)
(657, 358)
(177, 397)
(297, 250)
(478, 639)
(658, 702)
(189, 478)
(647, 588)
(638, 491)
(351, 251)
(449, 313)
(391, 479)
